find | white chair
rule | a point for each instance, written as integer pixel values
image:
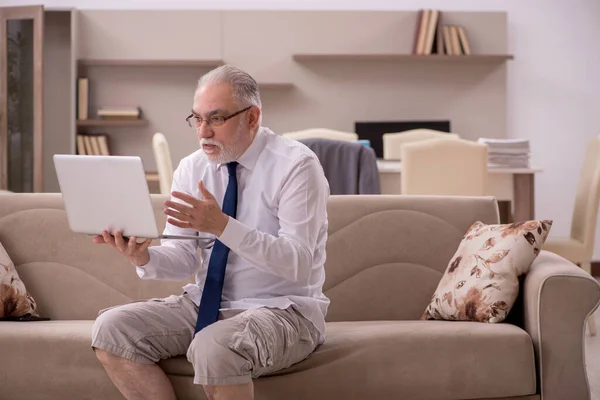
(322, 133)
(393, 142)
(579, 246)
(451, 167)
(164, 164)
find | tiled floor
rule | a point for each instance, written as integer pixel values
(592, 359)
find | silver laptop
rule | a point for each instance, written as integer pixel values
(108, 192)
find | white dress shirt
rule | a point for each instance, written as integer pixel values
(277, 239)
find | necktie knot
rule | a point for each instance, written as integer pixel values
(231, 167)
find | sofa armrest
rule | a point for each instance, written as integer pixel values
(558, 296)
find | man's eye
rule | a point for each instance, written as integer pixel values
(217, 119)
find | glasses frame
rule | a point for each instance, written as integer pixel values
(199, 120)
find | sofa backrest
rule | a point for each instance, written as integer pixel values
(69, 276)
(385, 255)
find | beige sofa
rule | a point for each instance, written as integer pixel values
(386, 255)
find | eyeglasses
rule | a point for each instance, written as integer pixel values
(195, 121)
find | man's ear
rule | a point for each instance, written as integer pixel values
(253, 117)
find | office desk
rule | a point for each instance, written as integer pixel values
(514, 184)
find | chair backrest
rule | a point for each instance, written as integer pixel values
(587, 198)
(350, 168)
(322, 133)
(164, 164)
(393, 142)
(452, 167)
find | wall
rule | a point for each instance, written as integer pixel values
(330, 94)
(553, 84)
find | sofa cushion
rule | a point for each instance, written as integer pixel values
(481, 282)
(406, 359)
(382, 359)
(51, 360)
(15, 300)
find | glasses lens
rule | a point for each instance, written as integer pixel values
(216, 121)
(194, 123)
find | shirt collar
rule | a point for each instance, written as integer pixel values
(249, 158)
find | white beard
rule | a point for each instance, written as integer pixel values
(227, 153)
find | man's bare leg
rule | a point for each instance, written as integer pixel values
(230, 392)
(136, 381)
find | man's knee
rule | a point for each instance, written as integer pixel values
(211, 347)
(215, 363)
(110, 323)
(116, 338)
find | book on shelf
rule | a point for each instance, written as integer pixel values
(464, 42)
(432, 36)
(92, 145)
(119, 113)
(83, 98)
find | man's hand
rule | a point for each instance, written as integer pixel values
(136, 253)
(203, 215)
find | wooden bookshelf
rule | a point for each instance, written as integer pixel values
(96, 122)
(475, 58)
(151, 63)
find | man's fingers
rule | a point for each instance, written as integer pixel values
(120, 242)
(180, 224)
(98, 239)
(178, 215)
(131, 246)
(206, 195)
(145, 244)
(191, 200)
(108, 239)
(184, 208)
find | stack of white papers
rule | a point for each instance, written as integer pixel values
(507, 153)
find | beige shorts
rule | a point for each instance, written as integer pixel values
(241, 345)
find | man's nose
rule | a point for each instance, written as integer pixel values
(204, 131)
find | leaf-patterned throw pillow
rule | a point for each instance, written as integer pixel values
(15, 301)
(481, 282)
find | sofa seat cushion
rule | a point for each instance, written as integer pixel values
(382, 359)
(407, 359)
(51, 360)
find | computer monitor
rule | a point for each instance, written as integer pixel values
(374, 130)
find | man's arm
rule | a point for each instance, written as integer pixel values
(176, 259)
(302, 212)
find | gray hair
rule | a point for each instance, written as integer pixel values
(244, 87)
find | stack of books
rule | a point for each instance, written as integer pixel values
(92, 145)
(507, 153)
(432, 36)
(119, 113)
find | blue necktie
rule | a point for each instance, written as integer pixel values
(210, 303)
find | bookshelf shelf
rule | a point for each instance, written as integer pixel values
(474, 58)
(151, 63)
(110, 123)
(275, 85)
